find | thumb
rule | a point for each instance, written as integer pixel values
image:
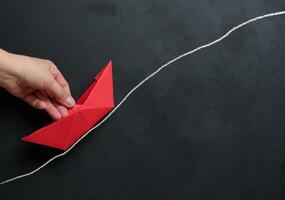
(56, 91)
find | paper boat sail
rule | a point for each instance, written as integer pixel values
(91, 107)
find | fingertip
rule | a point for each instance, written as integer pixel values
(54, 113)
(69, 101)
(63, 111)
(40, 105)
(56, 116)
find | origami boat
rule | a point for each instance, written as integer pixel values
(90, 108)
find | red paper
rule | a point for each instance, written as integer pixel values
(92, 106)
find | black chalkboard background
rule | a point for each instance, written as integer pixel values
(211, 126)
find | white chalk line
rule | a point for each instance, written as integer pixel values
(139, 85)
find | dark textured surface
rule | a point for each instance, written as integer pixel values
(211, 126)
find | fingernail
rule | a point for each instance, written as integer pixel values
(40, 105)
(70, 101)
(64, 112)
(57, 116)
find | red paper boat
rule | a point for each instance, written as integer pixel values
(92, 106)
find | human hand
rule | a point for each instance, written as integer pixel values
(37, 81)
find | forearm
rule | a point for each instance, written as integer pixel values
(8, 66)
(4, 66)
(4, 57)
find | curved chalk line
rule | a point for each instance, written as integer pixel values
(139, 85)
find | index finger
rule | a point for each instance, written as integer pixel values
(59, 77)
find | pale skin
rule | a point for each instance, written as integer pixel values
(36, 81)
